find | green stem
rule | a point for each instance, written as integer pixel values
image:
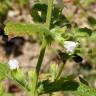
(60, 71)
(39, 63)
(42, 52)
(49, 13)
(48, 20)
(59, 74)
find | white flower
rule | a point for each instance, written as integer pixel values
(70, 46)
(13, 64)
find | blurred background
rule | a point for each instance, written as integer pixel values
(81, 13)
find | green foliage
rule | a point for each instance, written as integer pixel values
(39, 12)
(20, 78)
(92, 20)
(3, 70)
(93, 37)
(1, 89)
(57, 35)
(4, 6)
(48, 87)
(53, 71)
(21, 29)
(82, 32)
(31, 75)
(57, 30)
(58, 19)
(84, 90)
(83, 81)
(33, 83)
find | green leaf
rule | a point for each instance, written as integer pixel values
(59, 85)
(53, 71)
(93, 37)
(3, 70)
(1, 89)
(92, 20)
(58, 19)
(31, 75)
(86, 30)
(4, 7)
(82, 32)
(20, 78)
(60, 30)
(84, 90)
(69, 77)
(56, 34)
(32, 79)
(83, 81)
(39, 12)
(22, 29)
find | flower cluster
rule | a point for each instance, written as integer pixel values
(70, 46)
(13, 64)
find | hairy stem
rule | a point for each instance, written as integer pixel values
(39, 63)
(42, 52)
(48, 20)
(49, 13)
